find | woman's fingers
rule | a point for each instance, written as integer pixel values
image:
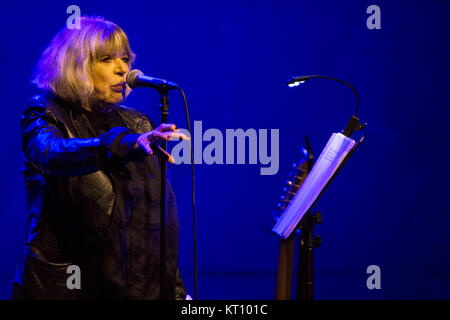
(165, 154)
(144, 142)
(147, 148)
(168, 136)
(182, 136)
(165, 131)
(164, 127)
(158, 136)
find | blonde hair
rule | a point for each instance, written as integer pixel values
(65, 67)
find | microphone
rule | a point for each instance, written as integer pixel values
(136, 78)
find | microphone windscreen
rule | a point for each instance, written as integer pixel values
(131, 78)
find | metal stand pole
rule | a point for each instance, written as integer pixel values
(305, 273)
(164, 107)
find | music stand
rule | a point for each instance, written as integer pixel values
(306, 220)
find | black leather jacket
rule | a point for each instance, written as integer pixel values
(71, 199)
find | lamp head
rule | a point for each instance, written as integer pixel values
(296, 81)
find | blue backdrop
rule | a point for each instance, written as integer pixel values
(389, 205)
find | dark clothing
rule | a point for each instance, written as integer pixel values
(94, 202)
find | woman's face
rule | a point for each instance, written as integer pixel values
(108, 75)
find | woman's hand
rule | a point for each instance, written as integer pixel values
(165, 131)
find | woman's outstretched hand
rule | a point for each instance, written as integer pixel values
(165, 131)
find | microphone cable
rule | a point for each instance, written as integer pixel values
(193, 194)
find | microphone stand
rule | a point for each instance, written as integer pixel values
(136, 78)
(164, 108)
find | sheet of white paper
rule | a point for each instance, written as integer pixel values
(332, 155)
